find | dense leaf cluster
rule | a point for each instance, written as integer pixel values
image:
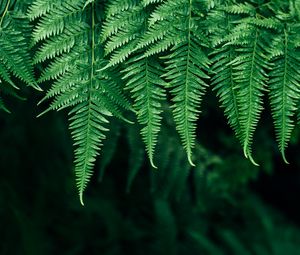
(110, 58)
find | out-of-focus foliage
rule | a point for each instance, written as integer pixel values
(134, 209)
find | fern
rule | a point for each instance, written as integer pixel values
(15, 47)
(41, 7)
(94, 96)
(186, 65)
(55, 21)
(223, 72)
(142, 76)
(249, 73)
(61, 44)
(124, 25)
(145, 85)
(248, 39)
(97, 53)
(284, 84)
(14, 54)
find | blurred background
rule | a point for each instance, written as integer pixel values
(224, 205)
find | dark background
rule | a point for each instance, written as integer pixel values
(231, 207)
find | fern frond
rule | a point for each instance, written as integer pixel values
(41, 7)
(223, 72)
(123, 29)
(70, 47)
(15, 45)
(94, 97)
(161, 36)
(112, 88)
(119, 6)
(146, 87)
(284, 86)
(148, 2)
(155, 33)
(60, 65)
(123, 37)
(163, 45)
(250, 76)
(54, 22)
(164, 11)
(62, 43)
(5, 75)
(270, 23)
(188, 86)
(245, 8)
(186, 73)
(3, 106)
(142, 74)
(120, 20)
(87, 123)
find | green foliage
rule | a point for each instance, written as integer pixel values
(284, 81)
(161, 54)
(144, 83)
(15, 42)
(70, 34)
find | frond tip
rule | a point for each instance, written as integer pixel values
(87, 126)
(81, 198)
(189, 155)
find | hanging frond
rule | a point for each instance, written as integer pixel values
(250, 75)
(142, 75)
(187, 63)
(87, 126)
(69, 46)
(95, 54)
(14, 45)
(284, 84)
(146, 86)
(223, 72)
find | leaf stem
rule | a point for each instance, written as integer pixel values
(4, 13)
(90, 87)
